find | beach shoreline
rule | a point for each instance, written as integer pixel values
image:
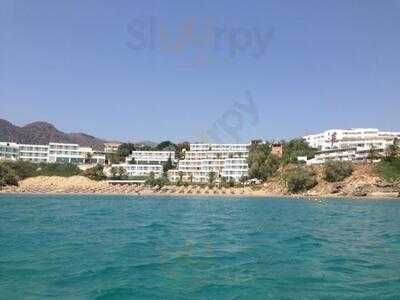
(388, 196)
(356, 187)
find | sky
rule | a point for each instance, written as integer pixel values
(221, 71)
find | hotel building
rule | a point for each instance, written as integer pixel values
(349, 144)
(226, 161)
(53, 153)
(73, 153)
(138, 170)
(143, 163)
(150, 157)
(34, 153)
(8, 151)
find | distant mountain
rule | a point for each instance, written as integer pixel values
(43, 133)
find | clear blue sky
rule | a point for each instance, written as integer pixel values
(90, 66)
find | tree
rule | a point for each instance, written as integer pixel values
(125, 150)
(211, 177)
(181, 148)
(295, 148)
(160, 182)
(393, 151)
(243, 179)
(191, 178)
(88, 158)
(262, 164)
(299, 180)
(95, 173)
(373, 154)
(335, 171)
(389, 169)
(166, 144)
(123, 175)
(7, 176)
(23, 169)
(180, 180)
(168, 165)
(114, 172)
(333, 139)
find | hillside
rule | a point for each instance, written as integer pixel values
(43, 133)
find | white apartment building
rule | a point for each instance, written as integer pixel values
(143, 163)
(150, 157)
(34, 153)
(135, 170)
(347, 138)
(53, 152)
(8, 151)
(228, 161)
(73, 153)
(349, 144)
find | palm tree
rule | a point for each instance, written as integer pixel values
(191, 178)
(180, 180)
(392, 151)
(333, 139)
(373, 153)
(88, 158)
(211, 177)
(114, 172)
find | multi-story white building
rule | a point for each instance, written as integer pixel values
(139, 170)
(73, 153)
(54, 152)
(144, 163)
(347, 138)
(150, 157)
(8, 151)
(349, 144)
(228, 161)
(34, 153)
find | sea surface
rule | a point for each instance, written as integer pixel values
(117, 247)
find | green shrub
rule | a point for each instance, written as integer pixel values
(389, 169)
(295, 148)
(57, 169)
(95, 173)
(299, 180)
(23, 169)
(262, 164)
(157, 181)
(7, 176)
(119, 173)
(337, 170)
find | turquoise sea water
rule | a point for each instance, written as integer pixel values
(116, 247)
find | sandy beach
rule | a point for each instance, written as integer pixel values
(357, 185)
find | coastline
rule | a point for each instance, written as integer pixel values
(357, 186)
(383, 196)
